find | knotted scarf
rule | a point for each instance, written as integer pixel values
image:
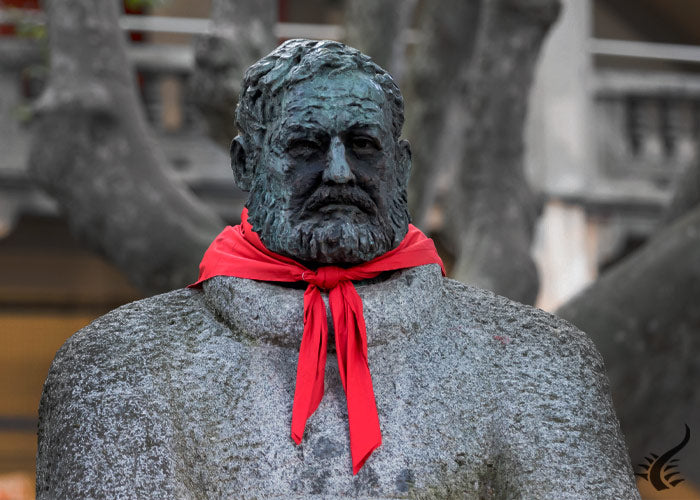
(238, 251)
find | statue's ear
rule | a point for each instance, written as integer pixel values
(240, 164)
(404, 161)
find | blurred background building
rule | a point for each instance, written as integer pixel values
(614, 118)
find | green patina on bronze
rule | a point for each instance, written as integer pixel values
(320, 154)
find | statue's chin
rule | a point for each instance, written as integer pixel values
(334, 235)
(332, 243)
(324, 240)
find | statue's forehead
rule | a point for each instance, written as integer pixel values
(350, 93)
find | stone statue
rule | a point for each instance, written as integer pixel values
(189, 394)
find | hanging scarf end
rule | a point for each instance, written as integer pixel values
(356, 466)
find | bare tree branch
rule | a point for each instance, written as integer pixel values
(379, 30)
(241, 33)
(93, 152)
(471, 85)
(686, 196)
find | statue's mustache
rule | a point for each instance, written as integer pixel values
(346, 195)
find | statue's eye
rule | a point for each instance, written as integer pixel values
(303, 147)
(363, 145)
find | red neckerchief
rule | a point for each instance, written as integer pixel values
(238, 251)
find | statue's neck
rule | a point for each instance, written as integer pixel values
(394, 304)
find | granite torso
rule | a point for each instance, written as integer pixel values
(189, 395)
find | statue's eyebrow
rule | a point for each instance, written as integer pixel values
(364, 125)
(302, 127)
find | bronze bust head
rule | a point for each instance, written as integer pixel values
(319, 152)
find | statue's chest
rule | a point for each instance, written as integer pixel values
(240, 424)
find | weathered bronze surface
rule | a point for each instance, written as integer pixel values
(320, 153)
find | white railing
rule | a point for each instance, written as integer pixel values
(183, 25)
(647, 124)
(645, 50)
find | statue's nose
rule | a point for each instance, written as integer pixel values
(338, 171)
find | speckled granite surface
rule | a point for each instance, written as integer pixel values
(189, 395)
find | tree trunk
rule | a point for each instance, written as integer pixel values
(242, 31)
(472, 78)
(379, 28)
(686, 195)
(435, 98)
(92, 151)
(644, 316)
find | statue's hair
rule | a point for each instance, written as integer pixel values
(295, 61)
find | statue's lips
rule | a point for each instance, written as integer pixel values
(327, 200)
(338, 207)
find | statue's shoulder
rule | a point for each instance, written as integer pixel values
(145, 333)
(546, 392)
(147, 320)
(504, 324)
(106, 399)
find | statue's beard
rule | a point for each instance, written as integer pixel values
(346, 236)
